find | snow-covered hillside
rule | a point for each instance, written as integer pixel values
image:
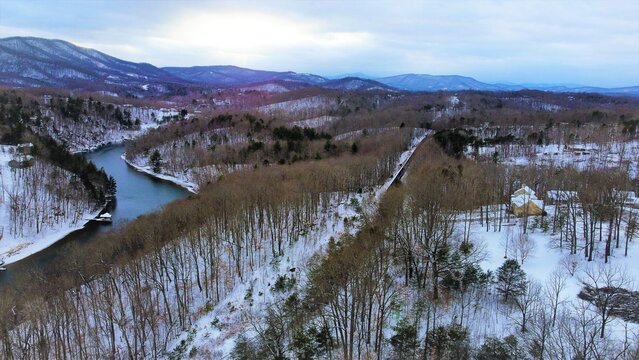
(94, 130)
(37, 205)
(316, 122)
(36, 62)
(310, 106)
(242, 311)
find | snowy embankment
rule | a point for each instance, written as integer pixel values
(93, 132)
(18, 241)
(15, 249)
(244, 309)
(111, 137)
(181, 181)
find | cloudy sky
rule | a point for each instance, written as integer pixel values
(553, 41)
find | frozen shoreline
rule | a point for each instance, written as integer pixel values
(35, 245)
(189, 186)
(15, 248)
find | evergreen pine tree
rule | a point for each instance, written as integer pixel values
(511, 279)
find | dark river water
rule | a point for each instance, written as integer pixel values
(137, 194)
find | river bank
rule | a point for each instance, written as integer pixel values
(189, 186)
(137, 194)
(15, 249)
(20, 241)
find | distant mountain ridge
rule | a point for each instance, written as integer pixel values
(423, 82)
(37, 62)
(230, 75)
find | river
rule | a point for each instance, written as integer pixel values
(137, 194)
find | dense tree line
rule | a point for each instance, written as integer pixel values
(14, 115)
(203, 151)
(419, 241)
(137, 287)
(384, 291)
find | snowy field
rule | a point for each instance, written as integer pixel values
(545, 259)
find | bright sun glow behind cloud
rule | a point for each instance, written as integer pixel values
(573, 41)
(236, 31)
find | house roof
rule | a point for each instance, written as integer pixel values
(525, 190)
(561, 195)
(521, 200)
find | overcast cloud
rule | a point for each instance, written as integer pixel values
(582, 42)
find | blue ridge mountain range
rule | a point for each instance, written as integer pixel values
(38, 62)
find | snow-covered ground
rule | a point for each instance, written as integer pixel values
(110, 137)
(582, 156)
(314, 103)
(544, 259)
(268, 87)
(16, 246)
(214, 334)
(357, 133)
(191, 179)
(92, 132)
(455, 107)
(180, 179)
(316, 122)
(80, 137)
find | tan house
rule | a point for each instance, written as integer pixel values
(524, 202)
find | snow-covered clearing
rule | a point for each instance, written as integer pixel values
(544, 258)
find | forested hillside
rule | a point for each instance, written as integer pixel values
(362, 225)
